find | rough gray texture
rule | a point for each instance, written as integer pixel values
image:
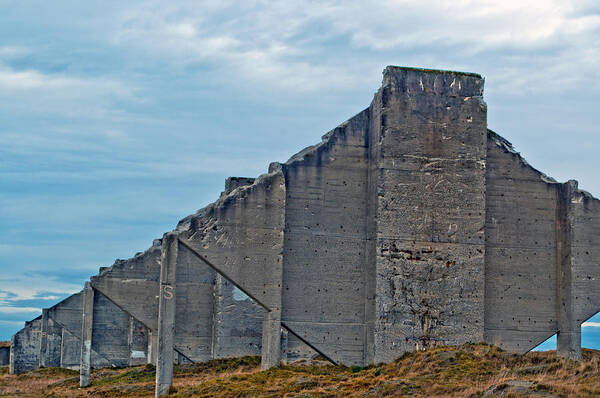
(4, 356)
(87, 326)
(585, 252)
(235, 182)
(133, 285)
(241, 235)
(67, 317)
(520, 300)
(110, 332)
(429, 152)
(137, 342)
(202, 331)
(166, 314)
(409, 225)
(325, 243)
(118, 340)
(25, 347)
(237, 326)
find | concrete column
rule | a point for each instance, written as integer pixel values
(11, 366)
(44, 338)
(152, 346)
(569, 329)
(166, 314)
(86, 336)
(130, 341)
(271, 340)
(217, 314)
(284, 346)
(63, 342)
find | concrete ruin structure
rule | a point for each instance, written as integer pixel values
(410, 225)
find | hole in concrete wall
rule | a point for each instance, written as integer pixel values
(239, 295)
(549, 344)
(590, 336)
(590, 332)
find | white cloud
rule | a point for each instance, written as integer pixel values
(253, 42)
(12, 51)
(14, 81)
(18, 310)
(33, 92)
(531, 46)
(591, 325)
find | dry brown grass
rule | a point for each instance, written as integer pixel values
(466, 371)
(4, 343)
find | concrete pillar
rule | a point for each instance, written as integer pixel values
(63, 343)
(85, 364)
(11, 365)
(217, 313)
(271, 340)
(569, 329)
(284, 346)
(166, 314)
(152, 346)
(44, 338)
(130, 344)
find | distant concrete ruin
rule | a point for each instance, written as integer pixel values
(410, 225)
(4, 354)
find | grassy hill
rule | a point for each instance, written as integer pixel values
(476, 370)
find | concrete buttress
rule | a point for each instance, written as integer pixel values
(86, 336)
(166, 314)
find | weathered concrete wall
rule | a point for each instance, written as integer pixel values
(324, 263)
(409, 225)
(578, 292)
(70, 350)
(66, 315)
(110, 333)
(50, 342)
(241, 235)
(56, 336)
(520, 282)
(585, 249)
(237, 325)
(113, 338)
(194, 315)
(137, 342)
(133, 285)
(232, 183)
(4, 356)
(430, 211)
(25, 347)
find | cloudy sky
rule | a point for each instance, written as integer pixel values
(119, 118)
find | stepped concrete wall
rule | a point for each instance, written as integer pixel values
(241, 235)
(410, 225)
(325, 239)
(54, 339)
(585, 249)
(521, 237)
(210, 323)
